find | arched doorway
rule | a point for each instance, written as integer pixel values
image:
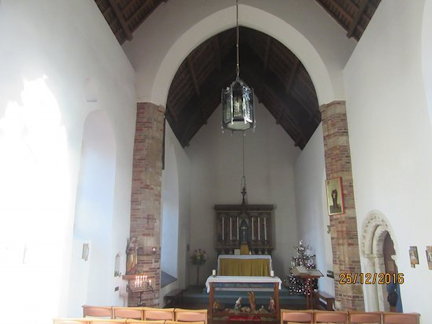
(92, 251)
(379, 256)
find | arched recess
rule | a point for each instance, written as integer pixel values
(253, 18)
(374, 231)
(170, 213)
(91, 275)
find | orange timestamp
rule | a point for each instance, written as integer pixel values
(367, 278)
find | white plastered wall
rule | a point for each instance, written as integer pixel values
(216, 164)
(81, 68)
(180, 161)
(311, 206)
(390, 136)
(174, 29)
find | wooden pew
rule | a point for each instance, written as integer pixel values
(191, 315)
(128, 312)
(97, 311)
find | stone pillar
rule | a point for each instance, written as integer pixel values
(146, 196)
(344, 236)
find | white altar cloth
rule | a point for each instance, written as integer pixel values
(242, 279)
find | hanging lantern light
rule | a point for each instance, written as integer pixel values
(237, 99)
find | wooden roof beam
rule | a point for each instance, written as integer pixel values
(140, 10)
(267, 52)
(120, 18)
(217, 52)
(193, 75)
(259, 76)
(359, 14)
(289, 86)
(195, 114)
(341, 10)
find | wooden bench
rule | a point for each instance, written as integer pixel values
(323, 301)
(344, 317)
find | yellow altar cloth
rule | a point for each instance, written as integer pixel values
(244, 267)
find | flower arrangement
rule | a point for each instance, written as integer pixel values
(199, 257)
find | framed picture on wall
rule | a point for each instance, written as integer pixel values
(335, 204)
(413, 254)
(429, 256)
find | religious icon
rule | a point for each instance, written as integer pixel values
(334, 196)
(132, 255)
(429, 256)
(252, 301)
(243, 231)
(413, 256)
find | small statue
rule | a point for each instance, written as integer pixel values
(237, 305)
(245, 309)
(251, 297)
(217, 305)
(132, 256)
(271, 306)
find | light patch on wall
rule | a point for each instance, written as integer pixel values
(34, 198)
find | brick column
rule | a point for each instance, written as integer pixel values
(146, 196)
(344, 237)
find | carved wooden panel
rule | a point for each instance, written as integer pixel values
(251, 224)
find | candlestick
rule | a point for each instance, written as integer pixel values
(238, 237)
(253, 232)
(271, 273)
(214, 273)
(259, 230)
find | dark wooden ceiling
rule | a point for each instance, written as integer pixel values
(279, 79)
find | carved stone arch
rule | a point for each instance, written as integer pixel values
(374, 230)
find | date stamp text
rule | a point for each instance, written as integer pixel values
(367, 278)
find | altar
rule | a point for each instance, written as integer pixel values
(244, 265)
(247, 273)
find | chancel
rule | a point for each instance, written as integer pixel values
(110, 132)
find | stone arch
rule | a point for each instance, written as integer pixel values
(374, 230)
(253, 18)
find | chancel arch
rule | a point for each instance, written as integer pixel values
(325, 83)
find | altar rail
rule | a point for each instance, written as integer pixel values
(144, 313)
(347, 317)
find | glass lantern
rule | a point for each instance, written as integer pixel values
(238, 107)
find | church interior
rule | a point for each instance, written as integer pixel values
(130, 178)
